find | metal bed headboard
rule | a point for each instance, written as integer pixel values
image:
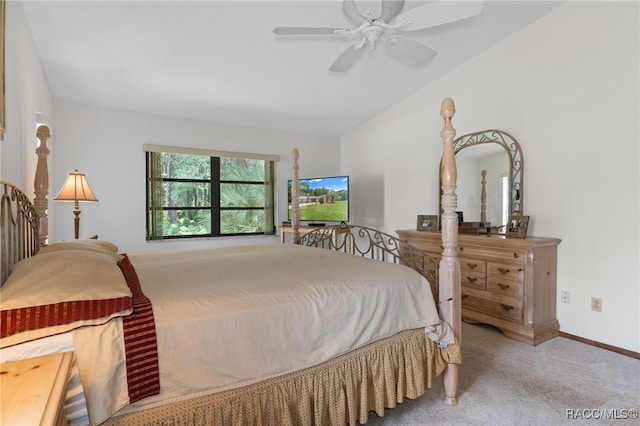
(18, 228)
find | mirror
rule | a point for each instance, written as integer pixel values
(490, 169)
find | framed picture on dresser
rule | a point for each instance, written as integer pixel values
(427, 222)
(517, 226)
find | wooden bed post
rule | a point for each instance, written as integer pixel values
(295, 198)
(41, 185)
(449, 285)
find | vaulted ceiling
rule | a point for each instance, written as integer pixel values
(220, 61)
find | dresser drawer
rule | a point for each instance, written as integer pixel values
(504, 287)
(473, 273)
(422, 262)
(413, 259)
(419, 260)
(497, 306)
(515, 254)
(473, 279)
(473, 265)
(509, 272)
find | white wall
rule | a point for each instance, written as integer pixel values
(27, 91)
(567, 89)
(106, 145)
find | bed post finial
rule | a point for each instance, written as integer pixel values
(447, 109)
(41, 185)
(449, 290)
(295, 197)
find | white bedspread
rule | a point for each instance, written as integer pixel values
(228, 317)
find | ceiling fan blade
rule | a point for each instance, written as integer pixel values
(438, 13)
(351, 10)
(308, 30)
(347, 58)
(409, 50)
(390, 8)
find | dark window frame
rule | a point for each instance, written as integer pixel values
(215, 182)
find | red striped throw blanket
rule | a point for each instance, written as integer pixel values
(141, 350)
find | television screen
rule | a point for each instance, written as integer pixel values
(323, 199)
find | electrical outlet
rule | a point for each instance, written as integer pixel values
(565, 296)
(596, 304)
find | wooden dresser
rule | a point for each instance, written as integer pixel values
(509, 283)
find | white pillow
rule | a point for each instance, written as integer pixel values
(91, 245)
(61, 289)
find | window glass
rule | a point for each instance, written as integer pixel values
(241, 169)
(192, 195)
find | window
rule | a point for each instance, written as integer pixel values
(200, 193)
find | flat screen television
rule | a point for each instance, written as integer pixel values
(324, 199)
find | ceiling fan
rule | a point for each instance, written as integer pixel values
(373, 26)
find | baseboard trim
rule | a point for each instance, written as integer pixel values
(611, 348)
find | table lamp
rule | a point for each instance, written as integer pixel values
(76, 189)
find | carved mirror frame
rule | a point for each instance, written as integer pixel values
(516, 162)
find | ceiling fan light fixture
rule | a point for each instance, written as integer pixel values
(372, 33)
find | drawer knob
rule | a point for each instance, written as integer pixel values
(472, 279)
(503, 286)
(464, 296)
(461, 248)
(504, 271)
(472, 265)
(506, 308)
(516, 255)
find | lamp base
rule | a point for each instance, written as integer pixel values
(76, 223)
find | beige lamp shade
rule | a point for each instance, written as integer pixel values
(76, 188)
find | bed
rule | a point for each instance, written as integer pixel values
(317, 332)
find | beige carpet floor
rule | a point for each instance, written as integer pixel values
(504, 382)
